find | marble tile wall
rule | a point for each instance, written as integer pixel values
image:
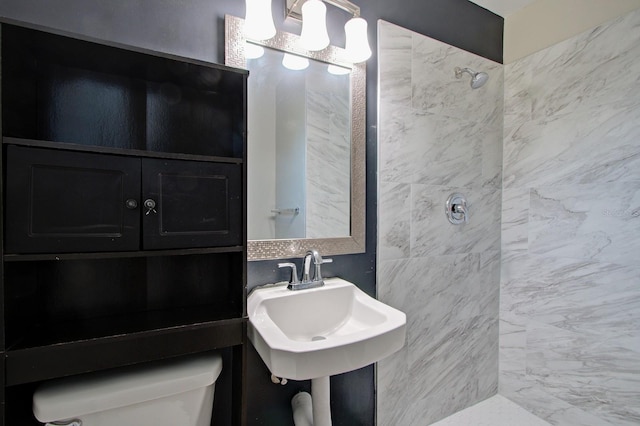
(570, 286)
(437, 136)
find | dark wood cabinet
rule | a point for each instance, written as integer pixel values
(68, 201)
(123, 213)
(59, 201)
(196, 204)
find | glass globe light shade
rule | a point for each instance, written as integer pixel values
(294, 62)
(258, 21)
(314, 25)
(253, 51)
(357, 45)
(337, 70)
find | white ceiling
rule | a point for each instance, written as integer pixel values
(503, 7)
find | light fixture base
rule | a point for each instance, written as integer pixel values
(293, 8)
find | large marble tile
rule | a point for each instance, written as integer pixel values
(599, 144)
(392, 275)
(489, 274)
(515, 219)
(431, 232)
(394, 64)
(401, 135)
(600, 379)
(410, 412)
(492, 153)
(394, 221)
(437, 90)
(596, 299)
(529, 395)
(571, 112)
(586, 222)
(433, 291)
(513, 343)
(448, 289)
(457, 152)
(597, 67)
(430, 149)
(518, 103)
(392, 396)
(451, 304)
(457, 369)
(450, 152)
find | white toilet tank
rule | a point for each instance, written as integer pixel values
(177, 392)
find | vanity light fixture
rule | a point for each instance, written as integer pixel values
(357, 45)
(258, 21)
(314, 35)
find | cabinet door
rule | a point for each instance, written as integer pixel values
(63, 201)
(191, 204)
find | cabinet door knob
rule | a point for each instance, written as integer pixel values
(131, 204)
(150, 205)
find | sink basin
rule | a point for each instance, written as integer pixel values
(323, 331)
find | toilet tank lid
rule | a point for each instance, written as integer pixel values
(90, 393)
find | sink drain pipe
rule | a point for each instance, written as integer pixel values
(302, 412)
(313, 410)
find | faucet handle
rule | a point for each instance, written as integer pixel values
(294, 271)
(318, 273)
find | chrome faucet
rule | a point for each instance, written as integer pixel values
(307, 281)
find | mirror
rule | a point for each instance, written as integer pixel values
(306, 147)
(300, 162)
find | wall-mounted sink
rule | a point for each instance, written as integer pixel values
(323, 331)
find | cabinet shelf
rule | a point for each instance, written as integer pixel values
(118, 255)
(117, 151)
(57, 350)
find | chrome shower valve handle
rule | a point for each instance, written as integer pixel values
(456, 209)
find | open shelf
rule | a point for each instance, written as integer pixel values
(56, 350)
(78, 299)
(71, 332)
(69, 90)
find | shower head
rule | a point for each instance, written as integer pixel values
(478, 79)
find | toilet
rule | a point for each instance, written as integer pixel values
(168, 393)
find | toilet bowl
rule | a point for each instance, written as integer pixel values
(168, 393)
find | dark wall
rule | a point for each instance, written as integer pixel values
(195, 28)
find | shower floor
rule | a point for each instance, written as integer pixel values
(495, 411)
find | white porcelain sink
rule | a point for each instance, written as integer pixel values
(307, 334)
